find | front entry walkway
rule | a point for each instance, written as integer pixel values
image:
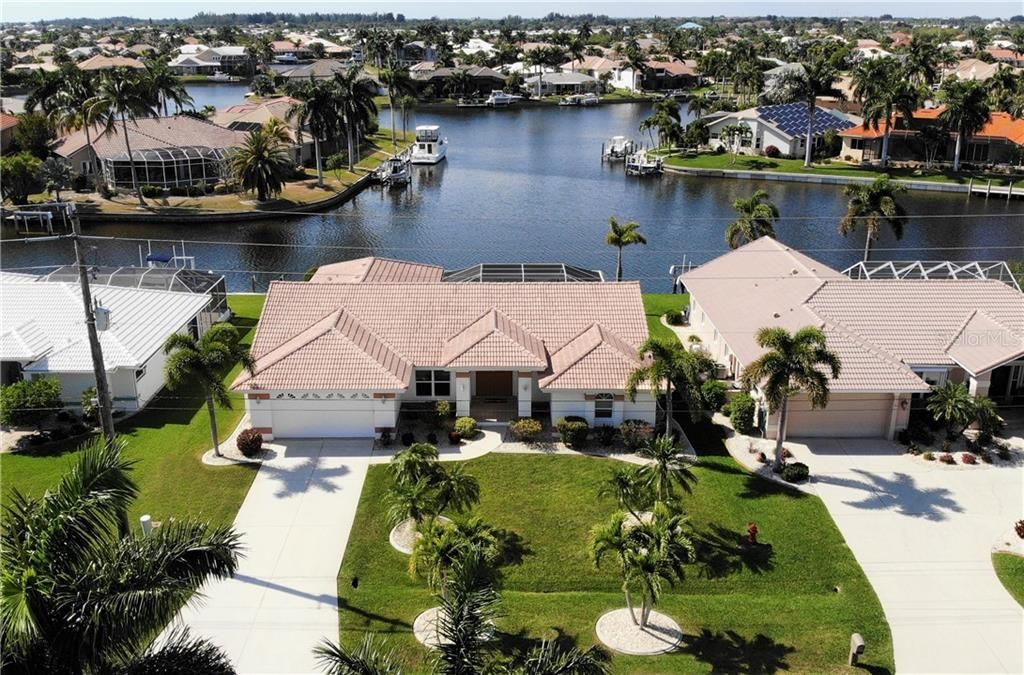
(923, 532)
(294, 522)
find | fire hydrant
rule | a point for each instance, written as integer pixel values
(752, 534)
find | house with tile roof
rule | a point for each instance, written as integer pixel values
(783, 126)
(896, 334)
(8, 123)
(343, 354)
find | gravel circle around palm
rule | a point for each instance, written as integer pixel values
(617, 631)
(404, 535)
(424, 627)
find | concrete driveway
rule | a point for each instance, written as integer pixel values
(923, 533)
(295, 522)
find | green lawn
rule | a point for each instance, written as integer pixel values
(166, 440)
(780, 165)
(1010, 570)
(740, 612)
(655, 306)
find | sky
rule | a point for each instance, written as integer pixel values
(22, 10)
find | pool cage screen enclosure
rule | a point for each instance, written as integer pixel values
(168, 167)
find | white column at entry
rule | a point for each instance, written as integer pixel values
(463, 393)
(525, 394)
(979, 384)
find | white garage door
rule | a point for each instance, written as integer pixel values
(321, 419)
(849, 416)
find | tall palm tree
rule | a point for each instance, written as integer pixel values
(56, 174)
(316, 110)
(399, 83)
(407, 103)
(166, 86)
(791, 363)
(734, 135)
(577, 48)
(698, 105)
(757, 216)
(68, 109)
(469, 604)
(354, 92)
(369, 658)
(122, 96)
(815, 78)
(202, 363)
(80, 598)
(667, 468)
(44, 85)
(667, 365)
(261, 163)
(537, 58)
(966, 111)
(872, 204)
(459, 82)
(621, 236)
(923, 60)
(884, 90)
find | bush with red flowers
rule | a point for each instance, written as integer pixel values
(968, 458)
(771, 151)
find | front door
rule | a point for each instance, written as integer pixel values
(497, 383)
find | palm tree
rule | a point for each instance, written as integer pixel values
(454, 489)
(354, 92)
(883, 88)
(791, 363)
(278, 130)
(966, 111)
(666, 469)
(317, 110)
(952, 404)
(815, 78)
(872, 204)
(757, 216)
(369, 658)
(262, 85)
(202, 363)
(80, 598)
(414, 463)
(469, 604)
(407, 104)
(56, 174)
(260, 52)
(698, 105)
(577, 49)
(626, 485)
(922, 60)
(261, 163)
(734, 135)
(537, 58)
(550, 659)
(121, 96)
(67, 108)
(442, 545)
(411, 501)
(43, 86)
(166, 87)
(621, 236)
(669, 364)
(397, 80)
(458, 82)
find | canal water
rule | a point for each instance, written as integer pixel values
(528, 185)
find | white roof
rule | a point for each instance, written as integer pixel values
(427, 127)
(55, 339)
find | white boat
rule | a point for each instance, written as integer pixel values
(590, 98)
(395, 171)
(222, 77)
(617, 148)
(643, 164)
(500, 98)
(286, 58)
(430, 146)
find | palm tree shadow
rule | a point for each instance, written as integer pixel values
(513, 547)
(730, 652)
(721, 552)
(395, 625)
(900, 491)
(518, 645)
(759, 487)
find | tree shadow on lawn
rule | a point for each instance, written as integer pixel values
(759, 487)
(730, 652)
(518, 645)
(758, 164)
(721, 552)
(394, 625)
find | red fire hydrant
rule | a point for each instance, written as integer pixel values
(752, 534)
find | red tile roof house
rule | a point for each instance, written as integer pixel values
(341, 354)
(894, 336)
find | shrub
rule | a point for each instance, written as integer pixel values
(525, 429)
(762, 458)
(674, 317)
(408, 438)
(249, 443)
(78, 428)
(947, 458)
(106, 191)
(58, 434)
(919, 433)
(29, 402)
(694, 339)
(443, 412)
(1018, 527)
(741, 413)
(152, 191)
(795, 472)
(713, 393)
(772, 151)
(465, 427)
(903, 437)
(985, 456)
(573, 431)
(636, 433)
(1003, 453)
(432, 438)
(385, 438)
(928, 456)
(605, 435)
(968, 458)
(89, 407)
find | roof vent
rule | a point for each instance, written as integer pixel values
(776, 315)
(102, 315)
(794, 271)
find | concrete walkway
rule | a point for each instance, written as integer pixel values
(923, 534)
(295, 523)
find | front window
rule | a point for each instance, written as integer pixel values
(433, 383)
(603, 405)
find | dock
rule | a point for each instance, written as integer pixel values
(986, 188)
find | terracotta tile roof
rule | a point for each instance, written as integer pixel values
(377, 270)
(984, 343)
(7, 121)
(101, 62)
(999, 125)
(494, 338)
(674, 68)
(597, 358)
(150, 133)
(426, 323)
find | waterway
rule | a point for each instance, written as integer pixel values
(528, 185)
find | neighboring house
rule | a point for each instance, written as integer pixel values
(1000, 141)
(900, 39)
(414, 52)
(562, 83)
(142, 49)
(484, 80)
(1011, 57)
(972, 69)
(896, 337)
(783, 126)
(104, 62)
(667, 75)
(7, 124)
(345, 353)
(476, 46)
(176, 151)
(246, 117)
(43, 335)
(320, 69)
(209, 61)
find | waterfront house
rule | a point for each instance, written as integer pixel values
(898, 328)
(483, 80)
(104, 62)
(998, 143)
(208, 61)
(43, 334)
(783, 126)
(249, 116)
(177, 151)
(668, 75)
(558, 84)
(345, 353)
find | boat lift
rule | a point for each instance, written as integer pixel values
(176, 259)
(49, 218)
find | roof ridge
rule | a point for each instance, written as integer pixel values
(962, 327)
(602, 332)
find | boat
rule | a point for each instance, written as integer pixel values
(580, 99)
(395, 171)
(286, 58)
(430, 147)
(222, 77)
(643, 164)
(617, 148)
(590, 98)
(500, 98)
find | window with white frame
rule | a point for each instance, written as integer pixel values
(433, 383)
(603, 406)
